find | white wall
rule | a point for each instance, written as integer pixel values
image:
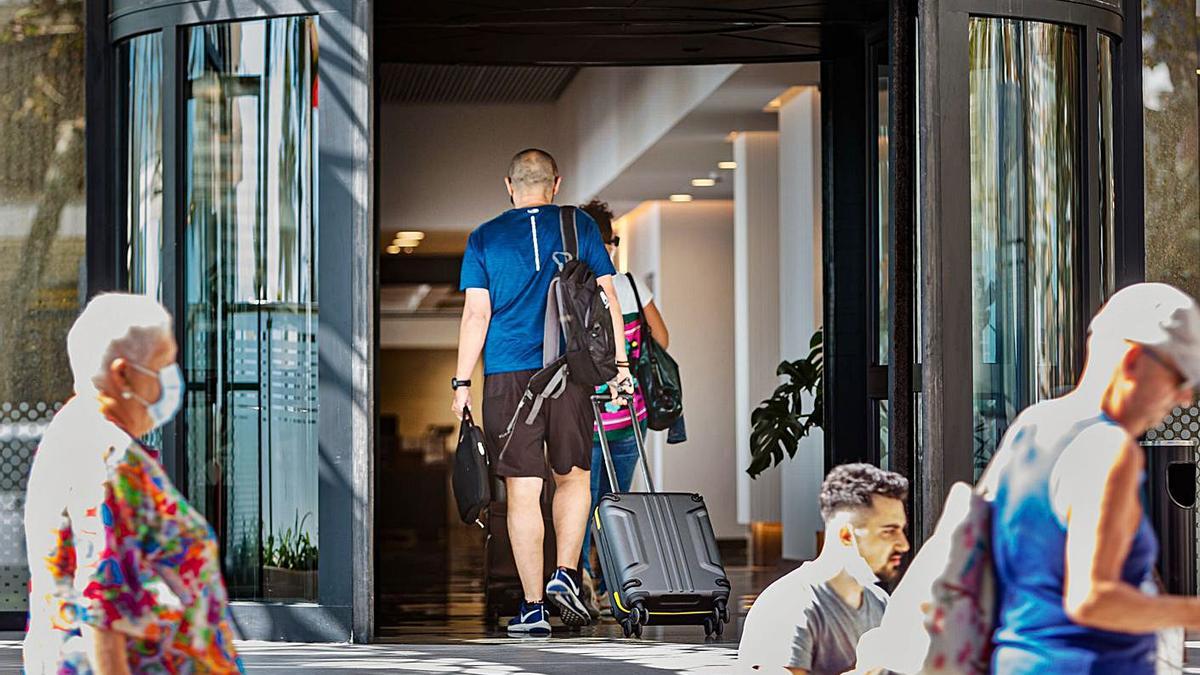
(756, 307)
(688, 248)
(443, 166)
(800, 303)
(608, 117)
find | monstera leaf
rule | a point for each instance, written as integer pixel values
(779, 422)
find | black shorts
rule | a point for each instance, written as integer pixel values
(562, 431)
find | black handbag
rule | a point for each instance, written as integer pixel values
(657, 375)
(472, 487)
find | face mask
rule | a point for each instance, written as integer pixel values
(170, 398)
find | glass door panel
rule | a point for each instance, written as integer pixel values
(250, 298)
(1027, 320)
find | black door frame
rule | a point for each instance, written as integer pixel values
(944, 203)
(346, 293)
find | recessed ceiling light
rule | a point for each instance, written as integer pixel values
(680, 198)
(410, 234)
(393, 249)
(778, 102)
(703, 182)
(729, 166)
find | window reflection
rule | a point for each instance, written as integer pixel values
(1025, 181)
(140, 62)
(42, 247)
(250, 299)
(1106, 173)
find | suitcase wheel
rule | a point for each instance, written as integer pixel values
(714, 626)
(633, 622)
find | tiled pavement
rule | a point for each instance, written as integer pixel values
(484, 656)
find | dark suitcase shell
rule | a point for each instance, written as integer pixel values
(660, 560)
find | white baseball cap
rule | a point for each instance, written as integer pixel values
(1158, 316)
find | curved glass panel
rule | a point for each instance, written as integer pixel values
(1106, 173)
(1025, 184)
(140, 63)
(250, 298)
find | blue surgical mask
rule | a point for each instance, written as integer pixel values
(170, 398)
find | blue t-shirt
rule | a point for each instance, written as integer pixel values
(1034, 635)
(513, 257)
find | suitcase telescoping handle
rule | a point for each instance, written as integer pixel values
(597, 400)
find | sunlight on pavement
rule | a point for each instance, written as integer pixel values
(678, 658)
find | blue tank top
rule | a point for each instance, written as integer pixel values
(1033, 632)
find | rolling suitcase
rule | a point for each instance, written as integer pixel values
(659, 554)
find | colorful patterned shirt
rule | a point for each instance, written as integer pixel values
(616, 420)
(112, 544)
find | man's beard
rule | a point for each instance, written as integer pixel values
(888, 574)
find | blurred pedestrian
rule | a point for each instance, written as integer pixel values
(125, 574)
(810, 620)
(1074, 551)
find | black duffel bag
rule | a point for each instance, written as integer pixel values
(657, 374)
(472, 488)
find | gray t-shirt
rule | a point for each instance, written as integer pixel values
(801, 623)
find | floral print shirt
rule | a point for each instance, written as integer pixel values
(112, 544)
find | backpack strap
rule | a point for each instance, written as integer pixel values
(551, 328)
(549, 382)
(570, 235)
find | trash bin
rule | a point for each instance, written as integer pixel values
(1171, 484)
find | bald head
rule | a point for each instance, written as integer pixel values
(532, 176)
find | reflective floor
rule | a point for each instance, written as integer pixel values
(431, 590)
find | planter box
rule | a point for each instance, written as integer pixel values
(285, 584)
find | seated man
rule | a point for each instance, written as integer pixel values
(810, 620)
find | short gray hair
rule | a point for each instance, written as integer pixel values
(531, 168)
(112, 326)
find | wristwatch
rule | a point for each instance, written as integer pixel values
(455, 383)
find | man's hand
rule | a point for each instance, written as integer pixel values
(462, 400)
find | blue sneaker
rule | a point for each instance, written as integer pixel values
(531, 619)
(564, 592)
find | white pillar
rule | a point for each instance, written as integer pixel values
(756, 307)
(800, 302)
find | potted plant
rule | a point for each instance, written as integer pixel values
(290, 563)
(779, 422)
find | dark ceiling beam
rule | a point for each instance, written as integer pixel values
(602, 33)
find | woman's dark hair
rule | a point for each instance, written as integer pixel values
(603, 216)
(852, 486)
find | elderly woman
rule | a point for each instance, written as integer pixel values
(125, 573)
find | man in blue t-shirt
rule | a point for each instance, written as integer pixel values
(506, 273)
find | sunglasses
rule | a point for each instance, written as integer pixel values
(1181, 380)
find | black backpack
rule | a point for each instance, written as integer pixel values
(579, 344)
(578, 316)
